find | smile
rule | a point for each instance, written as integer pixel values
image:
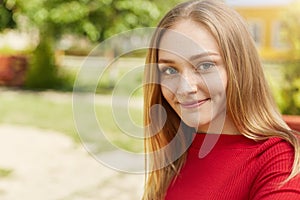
(193, 104)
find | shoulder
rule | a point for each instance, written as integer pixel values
(275, 145)
(274, 161)
(275, 152)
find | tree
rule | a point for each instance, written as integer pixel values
(6, 20)
(95, 19)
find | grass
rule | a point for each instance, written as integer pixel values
(53, 111)
(39, 109)
(33, 109)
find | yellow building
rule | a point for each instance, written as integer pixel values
(263, 17)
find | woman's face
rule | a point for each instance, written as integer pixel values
(192, 75)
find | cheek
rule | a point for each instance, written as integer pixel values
(223, 76)
(167, 93)
(216, 83)
(169, 87)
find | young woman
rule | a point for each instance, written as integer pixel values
(204, 79)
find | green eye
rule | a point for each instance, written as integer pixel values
(205, 66)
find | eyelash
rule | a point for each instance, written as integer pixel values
(165, 69)
(198, 67)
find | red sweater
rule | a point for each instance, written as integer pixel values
(237, 168)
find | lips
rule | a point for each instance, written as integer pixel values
(193, 104)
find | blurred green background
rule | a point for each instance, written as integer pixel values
(42, 47)
(60, 33)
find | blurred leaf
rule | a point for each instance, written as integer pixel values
(68, 12)
(6, 17)
(4, 172)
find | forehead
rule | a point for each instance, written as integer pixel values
(187, 38)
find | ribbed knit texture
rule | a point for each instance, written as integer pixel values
(237, 168)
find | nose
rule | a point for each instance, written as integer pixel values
(187, 84)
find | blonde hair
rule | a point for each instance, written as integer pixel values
(258, 119)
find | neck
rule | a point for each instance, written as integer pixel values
(218, 126)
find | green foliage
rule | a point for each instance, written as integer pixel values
(95, 19)
(68, 12)
(6, 19)
(4, 172)
(43, 73)
(291, 89)
(291, 72)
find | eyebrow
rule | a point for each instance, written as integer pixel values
(204, 54)
(166, 61)
(193, 57)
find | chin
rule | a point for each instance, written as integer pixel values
(197, 124)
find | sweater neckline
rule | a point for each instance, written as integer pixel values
(223, 141)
